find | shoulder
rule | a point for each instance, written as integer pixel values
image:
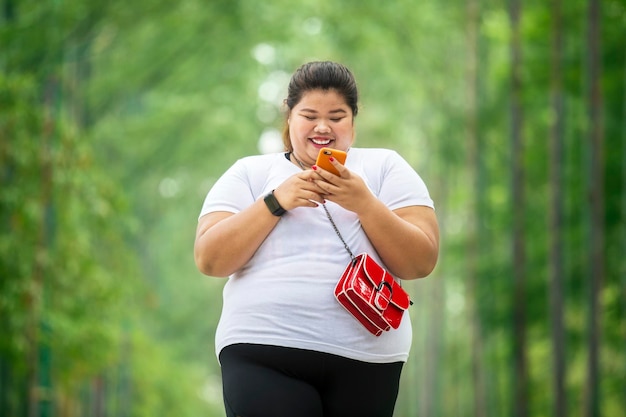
(259, 160)
(376, 159)
(255, 164)
(375, 153)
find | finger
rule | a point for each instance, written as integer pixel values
(314, 196)
(343, 171)
(326, 178)
(325, 187)
(307, 175)
(322, 173)
(309, 203)
(311, 187)
(311, 199)
(321, 185)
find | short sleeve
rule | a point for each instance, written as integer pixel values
(231, 192)
(400, 185)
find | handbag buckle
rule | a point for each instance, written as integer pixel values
(383, 298)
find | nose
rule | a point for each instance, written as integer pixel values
(322, 127)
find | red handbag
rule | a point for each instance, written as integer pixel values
(369, 292)
(372, 295)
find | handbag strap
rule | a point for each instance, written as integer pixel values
(345, 245)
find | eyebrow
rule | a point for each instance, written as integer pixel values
(332, 111)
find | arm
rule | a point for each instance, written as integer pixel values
(407, 239)
(226, 241)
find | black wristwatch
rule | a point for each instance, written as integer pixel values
(274, 205)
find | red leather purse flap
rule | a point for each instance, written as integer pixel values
(388, 290)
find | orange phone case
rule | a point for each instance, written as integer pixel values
(325, 154)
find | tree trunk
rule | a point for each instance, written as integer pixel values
(520, 387)
(623, 242)
(473, 253)
(98, 387)
(35, 296)
(555, 221)
(596, 196)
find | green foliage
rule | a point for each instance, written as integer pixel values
(21, 209)
(116, 118)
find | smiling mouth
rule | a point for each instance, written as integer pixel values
(321, 141)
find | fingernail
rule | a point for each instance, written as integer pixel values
(331, 159)
(314, 167)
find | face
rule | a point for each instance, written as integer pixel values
(322, 119)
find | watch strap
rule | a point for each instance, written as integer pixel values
(273, 205)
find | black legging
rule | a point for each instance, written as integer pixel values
(273, 381)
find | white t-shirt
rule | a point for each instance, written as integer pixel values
(284, 295)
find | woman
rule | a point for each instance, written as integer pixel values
(285, 345)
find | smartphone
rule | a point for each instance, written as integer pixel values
(325, 154)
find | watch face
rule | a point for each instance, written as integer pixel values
(273, 205)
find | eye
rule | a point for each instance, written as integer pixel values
(308, 117)
(337, 119)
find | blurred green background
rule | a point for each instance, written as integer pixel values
(117, 116)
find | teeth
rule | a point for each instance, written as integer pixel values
(321, 142)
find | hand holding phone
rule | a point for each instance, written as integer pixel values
(323, 159)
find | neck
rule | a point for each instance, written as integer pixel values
(297, 161)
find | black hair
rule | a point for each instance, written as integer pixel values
(320, 75)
